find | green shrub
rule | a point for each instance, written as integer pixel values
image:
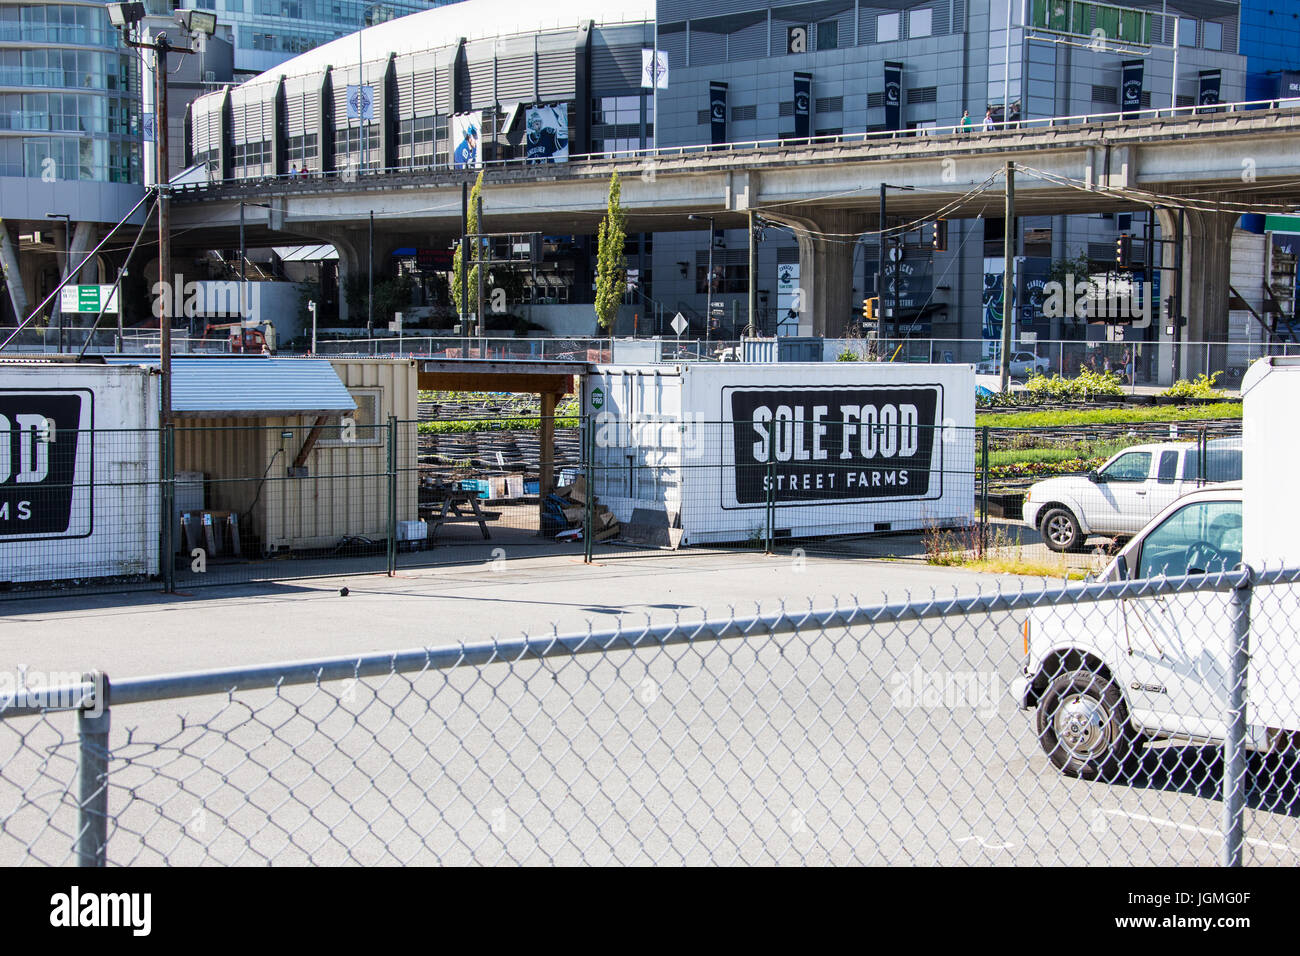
(1085, 386)
(1200, 387)
(848, 355)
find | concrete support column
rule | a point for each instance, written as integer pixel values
(13, 276)
(352, 261)
(826, 240)
(1207, 272)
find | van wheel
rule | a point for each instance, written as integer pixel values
(1060, 530)
(1083, 725)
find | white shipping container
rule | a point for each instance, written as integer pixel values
(842, 448)
(79, 495)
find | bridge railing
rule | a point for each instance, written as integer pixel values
(977, 130)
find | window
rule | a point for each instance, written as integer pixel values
(1219, 463)
(1212, 36)
(1131, 466)
(1168, 467)
(1186, 32)
(828, 35)
(366, 429)
(1199, 538)
(919, 23)
(887, 26)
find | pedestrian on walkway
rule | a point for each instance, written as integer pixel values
(988, 120)
(966, 121)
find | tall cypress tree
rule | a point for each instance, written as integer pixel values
(611, 267)
(457, 293)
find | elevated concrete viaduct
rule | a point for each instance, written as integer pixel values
(827, 191)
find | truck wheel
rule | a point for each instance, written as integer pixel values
(1060, 530)
(1083, 725)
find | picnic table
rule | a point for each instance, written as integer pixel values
(449, 511)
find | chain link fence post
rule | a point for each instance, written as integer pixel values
(1235, 756)
(167, 560)
(984, 491)
(392, 495)
(589, 479)
(92, 775)
(770, 511)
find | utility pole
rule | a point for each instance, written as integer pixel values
(370, 295)
(753, 271)
(160, 48)
(1008, 277)
(880, 265)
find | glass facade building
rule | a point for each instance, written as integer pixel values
(69, 95)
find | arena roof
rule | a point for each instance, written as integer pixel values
(470, 19)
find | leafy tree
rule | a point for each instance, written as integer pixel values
(611, 268)
(458, 296)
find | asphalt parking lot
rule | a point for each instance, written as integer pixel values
(818, 747)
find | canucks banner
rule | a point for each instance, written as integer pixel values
(547, 137)
(1131, 86)
(718, 112)
(893, 95)
(466, 130)
(802, 105)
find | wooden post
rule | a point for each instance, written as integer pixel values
(546, 469)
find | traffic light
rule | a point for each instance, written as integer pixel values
(869, 307)
(940, 235)
(1123, 250)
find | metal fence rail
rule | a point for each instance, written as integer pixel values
(210, 503)
(856, 733)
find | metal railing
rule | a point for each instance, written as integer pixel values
(851, 733)
(973, 133)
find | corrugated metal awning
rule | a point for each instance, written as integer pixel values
(254, 386)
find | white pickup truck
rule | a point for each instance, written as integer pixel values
(1128, 491)
(1105, 676)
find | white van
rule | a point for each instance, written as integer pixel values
(1105, 676)
(1130, 489)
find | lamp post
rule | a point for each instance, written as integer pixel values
(63, 272)
(126, 17)
(880, 259)
(708, 280)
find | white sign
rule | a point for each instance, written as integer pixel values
(660, 75)
(88, 298)
(680, 324)
(1028, 338)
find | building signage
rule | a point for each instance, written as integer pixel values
(88, 298)
(802, 105)
(45, 463)
(833, 443)
(893, 95)
(796, 39)
(547, 139)
(718, 112)
(1211, 81)
(1130, 92)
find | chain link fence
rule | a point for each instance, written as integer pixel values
(226, 502)
(1010, 727)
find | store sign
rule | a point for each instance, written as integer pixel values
(817, 444)
(88, 298)
(45, 488)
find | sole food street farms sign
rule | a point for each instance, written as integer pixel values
(45, 463)
(818, 444)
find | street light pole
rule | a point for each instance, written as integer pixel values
(708, 280)
(195, 23)
(64, 271)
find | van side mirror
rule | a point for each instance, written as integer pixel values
(1094, 477)
(1121, 568)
